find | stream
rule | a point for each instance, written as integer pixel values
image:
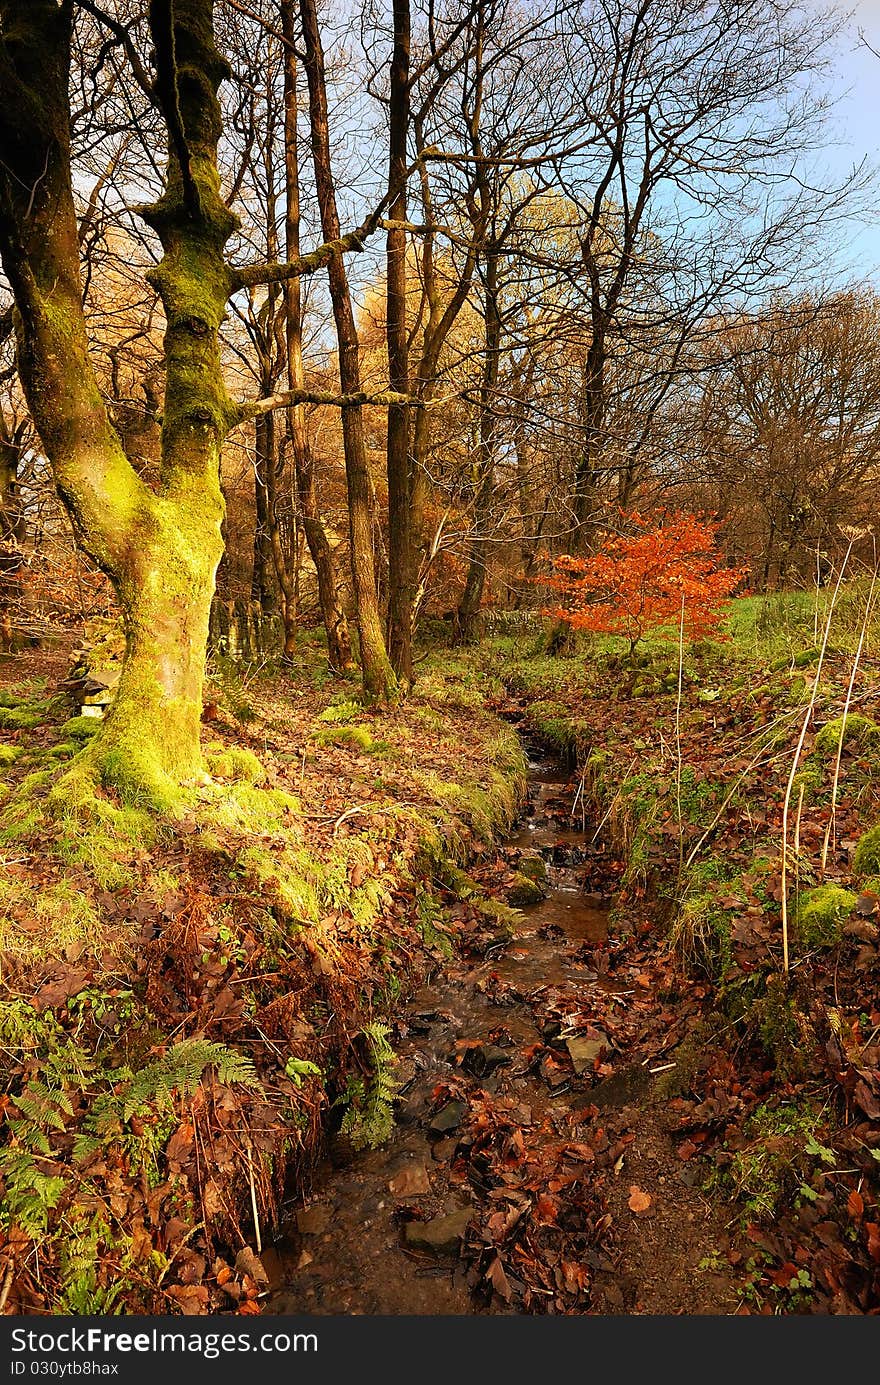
(343, 1252)
(380, 1232)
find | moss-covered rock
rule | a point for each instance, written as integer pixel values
(234, 762)
(21, 718)
(857, 731)
(80, 729)
(351, 737)
(821, 913)
(866, 860)
(524, 892)
(533, 868)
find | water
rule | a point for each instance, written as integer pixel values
(344, 1254)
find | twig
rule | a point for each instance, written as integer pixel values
(257, 1236)
(7, 1282)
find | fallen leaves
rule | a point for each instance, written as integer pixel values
(638, 1201)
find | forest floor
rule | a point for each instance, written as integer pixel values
(608, 1099)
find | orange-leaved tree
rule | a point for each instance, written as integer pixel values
(645, 577)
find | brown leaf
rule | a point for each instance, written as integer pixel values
(855, 1204)
(495, 1274)
(865, 1098)
(179, 1145)
(638, 1201)
(192, 1298)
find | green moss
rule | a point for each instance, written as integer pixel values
(248, 808)
(21, 718)
(533, 868)
(780, 1155)
(866, 859)
(702, 936)
(821, 913)
(35, 924)
(810, 780)
(8, 755)
(355, 737)
(80, 729)
(858, 731)
(524, 891)
(290, 878)
(234, 762)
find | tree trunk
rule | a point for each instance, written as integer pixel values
(586, 478)
(12, 533)
(401, 574)
(378, 675)
(262, 576)
(332, 612)
(472, 596)
(160, 547)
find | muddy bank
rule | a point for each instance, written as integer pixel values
(526, 1115)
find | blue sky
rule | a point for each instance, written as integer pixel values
(856, 122)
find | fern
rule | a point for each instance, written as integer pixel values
(181, 1070)
(81, 1292)
(30, 1195)
(369, 1119)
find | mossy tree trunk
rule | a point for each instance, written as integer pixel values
(160, 548)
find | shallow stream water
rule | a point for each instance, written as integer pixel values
(344, 1252)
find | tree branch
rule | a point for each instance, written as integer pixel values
(248, 276)
(162, 30)
(254, 408)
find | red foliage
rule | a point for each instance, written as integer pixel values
(635, 582)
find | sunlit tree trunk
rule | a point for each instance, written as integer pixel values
(378, 675)
(469, 606)
(332, 611)
(401, 573)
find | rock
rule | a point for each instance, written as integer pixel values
(312, 1221)
(484, 1058)
(621, 1088)
(448, 1118)
(405, 1073)
(524, 892)
(411, 1181)
(444, 1149)
(440, 1236)
(533, 867)
(584, 1052)
(273, 1265)
(247, 1262)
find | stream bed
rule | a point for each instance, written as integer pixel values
(535, 1024)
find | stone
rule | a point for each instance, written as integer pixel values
(314, 1220)
(448, 1118)
(524, 892)
(533, 867)
(584, 1052)
(411, 1181)
(442, 1235)
(484, 1058)
(444, 1149)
